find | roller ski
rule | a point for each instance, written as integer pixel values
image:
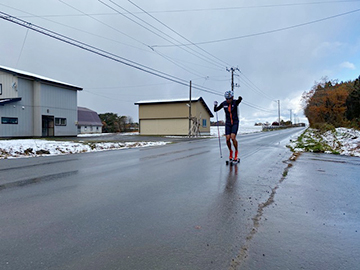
(233, 161)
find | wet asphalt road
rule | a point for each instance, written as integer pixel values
(314, 222)
(171, 207)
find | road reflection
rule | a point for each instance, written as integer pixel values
(231, 178)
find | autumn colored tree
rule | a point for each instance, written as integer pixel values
(326, 103)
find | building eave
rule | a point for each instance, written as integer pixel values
(169, 101)
(4, 101)
(36, 77)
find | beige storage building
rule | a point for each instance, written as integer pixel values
(172, 117)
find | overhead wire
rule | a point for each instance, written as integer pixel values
(256, 6)
(112, 56)
(210, 9)
(264, 32)
(22, 47)
(77, 29)
(92, 17)
(153, 33)
(253, 87)
(177, 33)
(101, 52)
(256, 107)
(101, 22)
(167, 38)
(190, 70)
(162, 55)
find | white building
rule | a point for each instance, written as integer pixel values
(35, 106)
(88, 121)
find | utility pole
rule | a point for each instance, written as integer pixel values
(190, 110)
(290, 116)
(279, 110)
(232, 70)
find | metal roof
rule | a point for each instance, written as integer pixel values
(87, 117)
(38, 77)
(176, 101)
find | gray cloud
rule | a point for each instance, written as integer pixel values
(280, 65)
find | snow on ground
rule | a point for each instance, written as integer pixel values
(346, 141)
(106, 134)
(343, 141)
(43, 147)
(242, 130)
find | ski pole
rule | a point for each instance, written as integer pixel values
(217, 120)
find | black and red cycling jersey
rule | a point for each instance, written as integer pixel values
(231, 111)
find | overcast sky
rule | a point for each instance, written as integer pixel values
(280, 48)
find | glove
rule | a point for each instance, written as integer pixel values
(215, 103)
(240, 98)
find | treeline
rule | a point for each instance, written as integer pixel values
(333, 104)
(113, 123)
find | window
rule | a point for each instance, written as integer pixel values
(204, 123)
(9, 120)
(60, 121)
(0, 89)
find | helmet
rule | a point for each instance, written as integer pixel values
(229, 94)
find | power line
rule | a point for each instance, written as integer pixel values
(197, 54)
(110, 56)
(98, 51)
(265, 32)
(206, 9)
(182, 67)
(256, 107)
(22, 47)
(256, 6)
(252, 86)
(77, 29)
(113, 28)
(172, 30)
(128, 86)
(192, 71)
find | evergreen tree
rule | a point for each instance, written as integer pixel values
(353, 103)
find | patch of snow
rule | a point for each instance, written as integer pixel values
(242, 130)
(39, 147)
(106, 134)
(345, 141)
(94, 134)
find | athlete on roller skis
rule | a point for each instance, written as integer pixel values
(232, 122)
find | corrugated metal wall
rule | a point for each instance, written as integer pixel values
(60, 103)
(37, 99)
(23, 110)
